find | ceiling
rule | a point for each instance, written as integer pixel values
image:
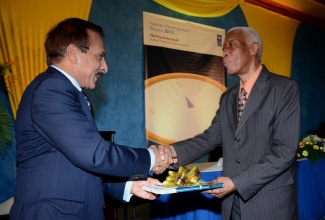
(309, 11)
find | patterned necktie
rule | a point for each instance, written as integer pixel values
(242, 102)
(88, 102)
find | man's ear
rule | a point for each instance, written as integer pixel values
(72, 53)
(254, 48)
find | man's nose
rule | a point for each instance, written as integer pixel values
(104, 66)
(225, 53)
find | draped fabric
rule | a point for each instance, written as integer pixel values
(308, 70)
(23, 28)
(201, 8)
(277, 31)
(311, 191)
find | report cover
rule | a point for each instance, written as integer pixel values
(169, 190)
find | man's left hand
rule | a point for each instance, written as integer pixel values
(137, 190)
(227, 188)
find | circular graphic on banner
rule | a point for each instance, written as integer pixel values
(180, 106)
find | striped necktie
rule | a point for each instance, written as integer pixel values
(242, 102)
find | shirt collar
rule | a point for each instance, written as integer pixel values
(72, 80)
(250, 83)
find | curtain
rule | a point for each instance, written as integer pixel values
(201, 8)
(23, 28)
(277, 32)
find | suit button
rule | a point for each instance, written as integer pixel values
(237, 139)
(238, 161)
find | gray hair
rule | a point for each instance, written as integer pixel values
(252, 36)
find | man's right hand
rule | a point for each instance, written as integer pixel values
(172, 152)
(163, 158)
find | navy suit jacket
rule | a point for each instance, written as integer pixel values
(62, 158)
(259, 152)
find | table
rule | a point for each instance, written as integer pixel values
(311, 189)
(190, 205)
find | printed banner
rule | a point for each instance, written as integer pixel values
(182, 35)
(185, 77)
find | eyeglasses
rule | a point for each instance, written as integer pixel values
(84, 48)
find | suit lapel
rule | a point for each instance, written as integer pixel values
(81, 97)
(234, 104)
(254, 99)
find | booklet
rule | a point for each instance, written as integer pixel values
(169, 190)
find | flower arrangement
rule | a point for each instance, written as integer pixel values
(311, 147)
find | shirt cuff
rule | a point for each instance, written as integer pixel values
(152, 157)
(127, 191)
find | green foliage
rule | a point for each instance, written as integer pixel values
(6, 129)
(4, 69)
(6, 121)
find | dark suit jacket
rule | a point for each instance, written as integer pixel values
(61, 157)
(258, 152)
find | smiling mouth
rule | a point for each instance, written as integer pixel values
(99, 74)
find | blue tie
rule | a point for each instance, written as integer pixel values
(88, 103)
(87, 100)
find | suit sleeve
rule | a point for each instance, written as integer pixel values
(191, 149)
(59, 113)
(114, 187)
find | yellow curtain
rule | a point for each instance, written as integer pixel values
(23, 28)
(201, 8)
(277, 31)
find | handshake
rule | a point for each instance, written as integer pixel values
(164, 157)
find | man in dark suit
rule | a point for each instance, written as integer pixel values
(62, 159)
(259, 136)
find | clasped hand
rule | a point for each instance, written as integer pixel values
(163, 158)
